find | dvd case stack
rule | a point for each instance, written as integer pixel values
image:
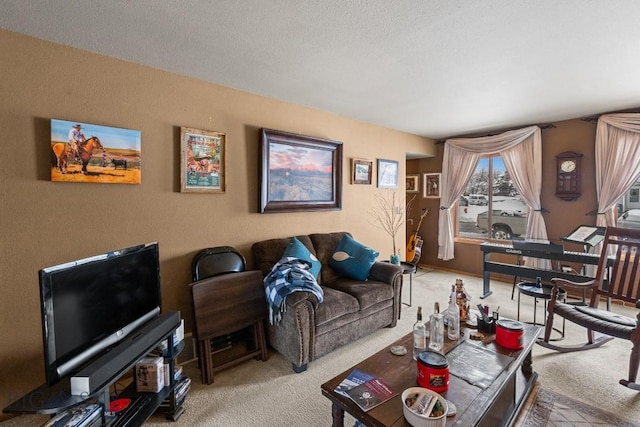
(86, 415)
(178, 338)
(183, 384)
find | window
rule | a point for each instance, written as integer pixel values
(629, 208)
(491, 189)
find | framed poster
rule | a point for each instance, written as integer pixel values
(299, 173)
(413, 183)
(202, 161)
(387, 173)
(85, 152)
(361, 171)
(431, 186)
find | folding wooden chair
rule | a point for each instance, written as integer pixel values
(623, 285)
(229, 307)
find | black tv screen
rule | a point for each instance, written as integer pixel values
(90, 304)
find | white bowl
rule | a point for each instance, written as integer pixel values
(417, 420)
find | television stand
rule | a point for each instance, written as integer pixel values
(57, 398)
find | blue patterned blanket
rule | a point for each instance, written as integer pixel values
(287, 276)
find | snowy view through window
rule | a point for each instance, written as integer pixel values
(491, 189)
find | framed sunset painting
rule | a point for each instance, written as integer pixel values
(299, 173)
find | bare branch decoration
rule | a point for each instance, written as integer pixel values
(388, 215)
(408, 209)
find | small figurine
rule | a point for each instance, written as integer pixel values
(462, 299)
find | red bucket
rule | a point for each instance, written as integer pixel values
(509, 334)
(433, 371)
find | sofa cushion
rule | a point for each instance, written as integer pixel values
(268, 252)
(324, 245)
(367, 293)
(338, 333)
(296, 249)
(339, 322)
(352, 258)
(336, 304)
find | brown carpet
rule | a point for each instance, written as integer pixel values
(550, 409)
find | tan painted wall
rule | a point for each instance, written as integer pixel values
(46, 223)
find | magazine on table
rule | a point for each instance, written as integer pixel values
(355, 378)
(365, 389)
(372, 393)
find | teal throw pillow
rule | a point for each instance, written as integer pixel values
(297, 249)
(353, 259)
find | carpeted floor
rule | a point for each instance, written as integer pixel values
(548, 409)
(270, 394)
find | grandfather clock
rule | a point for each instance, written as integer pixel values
(568, 172)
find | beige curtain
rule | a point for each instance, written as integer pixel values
(522, 153)
(617, 161)
(617, 167)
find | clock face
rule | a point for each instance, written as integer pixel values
(568, 166)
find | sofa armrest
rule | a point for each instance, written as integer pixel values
(296, 298)
(294, 336)
(390, 274)
(385, 272)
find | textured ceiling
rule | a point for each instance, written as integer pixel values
(436, 68)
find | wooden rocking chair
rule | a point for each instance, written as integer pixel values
(623, 286)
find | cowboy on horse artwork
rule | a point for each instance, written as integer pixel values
(75, 139)
(72, 152)
(82, 151)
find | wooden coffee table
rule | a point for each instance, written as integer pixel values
(497, 405)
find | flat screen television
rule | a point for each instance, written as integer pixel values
(90, 304)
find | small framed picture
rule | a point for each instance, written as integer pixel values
(202, 161)
(387, 173)
(361, 171)
(413, 183)
(431, 186)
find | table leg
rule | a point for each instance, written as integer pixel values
(407, 268)
(486, 278)
(410, 290)
(338, 416)
(527, 364)
(563, 319)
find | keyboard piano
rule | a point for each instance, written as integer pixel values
(533, 250)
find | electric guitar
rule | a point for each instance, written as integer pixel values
(414, 247)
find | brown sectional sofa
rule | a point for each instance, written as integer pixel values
(351, 308)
